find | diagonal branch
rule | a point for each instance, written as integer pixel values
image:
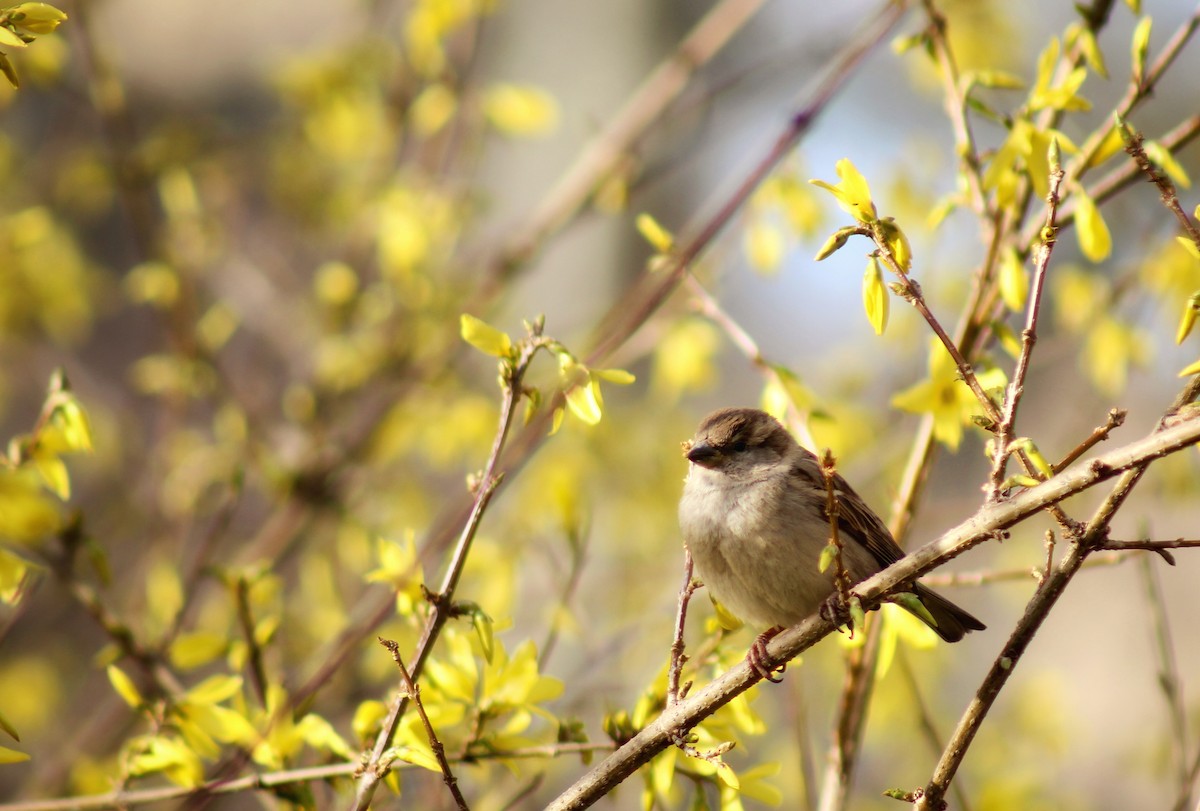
(989, 520)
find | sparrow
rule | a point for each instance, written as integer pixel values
(754, 516)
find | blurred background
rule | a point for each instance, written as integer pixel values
(247, 232)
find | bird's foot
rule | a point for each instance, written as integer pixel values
(835, 610)
(758, 656)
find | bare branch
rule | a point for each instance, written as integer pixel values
(439, 751)
(990, 519)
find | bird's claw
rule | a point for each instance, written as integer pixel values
(835, 610)
(758, 657)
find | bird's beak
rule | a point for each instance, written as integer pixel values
(703, 454)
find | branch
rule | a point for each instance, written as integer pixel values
(632, 312)
(988, 520)
(1166, 188)
(678, 659)
(1050, 589)
(1016, 387)
(603, 155)
(375, 766)
(1168, 669)
(439, 751)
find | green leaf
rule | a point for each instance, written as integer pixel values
(1139, 48)
(997, 79)
(12, 756)
(835, 243)
(875, 296)
(8, 728)
(484, 629)
(650, 229)
(584, 401)
(124, 686)
(828, 554)
(1014, 281)
(485, 337)
(1162, 156)
(10, 40)
(1094, 238)
(1190, 311)
(37, 18)
(196, 649)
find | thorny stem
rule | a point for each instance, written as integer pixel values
(678, 658)
(1116, 418)
(1036, 611)
(911, 292)
(439, 751)
(512, 374)
(1016, 387)
(1165, 187)
(1135, 93)
(841, 579)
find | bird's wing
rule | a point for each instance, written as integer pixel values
(855, 518)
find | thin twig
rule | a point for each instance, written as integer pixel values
(925, 721)
(711, 309)
(1016, 386)
(1116, 418)
(1048, 568)
(629, 314)
(1135, 93)
(1166, 189)
(578, 544)
(956, 111)
(1161, 547)
(603, 155)
(841, 579)
(439, 751)
(1036, 611)
(258, 671)
(678, 658)
(983, 578)
(512, 374)
(1168, 669)
(675, 692)
(856, 683)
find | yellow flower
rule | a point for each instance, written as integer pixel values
(944, 395)
(852, 194)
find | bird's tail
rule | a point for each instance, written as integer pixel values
(949, 621)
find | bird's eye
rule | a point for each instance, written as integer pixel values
(739, 446)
